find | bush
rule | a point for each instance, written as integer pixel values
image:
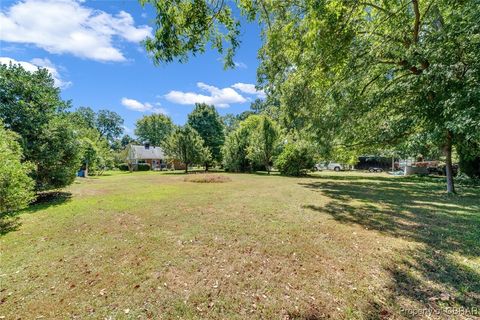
(143, 167)
(123, 167)
(58, 157)
(16, 187)
(295, 160)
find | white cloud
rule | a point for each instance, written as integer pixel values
(136, 105)
(221, 98)
(240, 65)
(66, 26)
(249, 89)
(37, 63)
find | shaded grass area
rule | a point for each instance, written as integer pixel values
(149, 245)
(443, 271)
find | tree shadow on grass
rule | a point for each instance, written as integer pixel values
(8, 224)
(11, 222)
(447, 228)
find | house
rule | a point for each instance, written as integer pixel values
(152, 155)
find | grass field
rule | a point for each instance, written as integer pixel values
(153, 245)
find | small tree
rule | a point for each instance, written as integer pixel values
(264, 143)
(235, 149)
(186, 145)
(16, 187)
(206, 121)
(59, 155)
(295, 159)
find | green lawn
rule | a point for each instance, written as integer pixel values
(150, 245)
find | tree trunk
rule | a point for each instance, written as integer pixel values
(206, 166)
(186, 167)
(448, 163)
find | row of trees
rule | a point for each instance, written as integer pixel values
(42, 143)
(244, 143)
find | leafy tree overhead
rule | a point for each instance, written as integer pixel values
(154, 128)
(359, 74)
(30, 105)
(16, 187)
(264, 143)
(186, 145)
(206, 121)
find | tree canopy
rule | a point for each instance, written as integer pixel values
(30, 105)
(207, 122)
(154, 128)
(16, 187)
(359, 75)
(186, 145)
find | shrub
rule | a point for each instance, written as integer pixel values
(123, 167)
(16, 187)
(143, 167)
(295, 159)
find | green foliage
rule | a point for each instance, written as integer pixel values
(16, 187)
(264, 142)
(28, 101)
(59, 155)
(143, 167)
(154, 128)
(109, 124)
(206, 121)
(359, 75)
(126, 140)
(186, 27)
(31, 106)
(295, 159)
(97, 155)
(85, 116)
(236, 145)
(186, 145)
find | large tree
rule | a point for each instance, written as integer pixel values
(30, 105)
(207, 122)
(154, 129)
(361, 74)
(186, 145)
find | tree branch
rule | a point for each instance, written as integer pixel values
(416, 26)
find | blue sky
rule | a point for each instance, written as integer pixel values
(93, 50)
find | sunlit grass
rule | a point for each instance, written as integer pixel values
(151, 245)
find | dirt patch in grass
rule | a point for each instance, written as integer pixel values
(207, 178)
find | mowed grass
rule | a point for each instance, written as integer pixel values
(151, 245)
